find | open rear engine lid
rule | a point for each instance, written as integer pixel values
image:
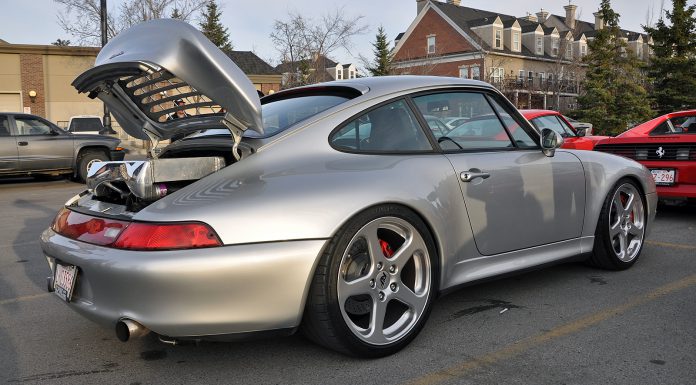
(145, 71)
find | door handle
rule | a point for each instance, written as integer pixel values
(468, 176)
(22, 143)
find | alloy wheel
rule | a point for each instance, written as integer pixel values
(626, 222)
(384, 280)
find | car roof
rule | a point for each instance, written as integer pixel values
(531, 114)
(384, 85)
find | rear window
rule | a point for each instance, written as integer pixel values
(86, 124)
(676, 125)
(280, 114)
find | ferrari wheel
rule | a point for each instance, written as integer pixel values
(621, 228)
(375, 285)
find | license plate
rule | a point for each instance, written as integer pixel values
(663, 177)
(64, 281)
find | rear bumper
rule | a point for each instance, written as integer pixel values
(684, 180)
(202, 292)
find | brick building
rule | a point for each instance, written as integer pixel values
(536, 60)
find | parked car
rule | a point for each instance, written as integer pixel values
(31, 145)
(309, 224)
(579, 125)
(87, 124)
(454, 121)
(667, 146)
(574, 137)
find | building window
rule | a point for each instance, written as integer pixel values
(639, 51)
(497, 74)
(498, 39)
(554, 47)
(521, 75)
(583, 50)
(516, 41)
(464, 72)
(339, 74)
(475, 73)
(431, 44)
(541, 78)
(351, 75)
(569, 50)
(540, 45)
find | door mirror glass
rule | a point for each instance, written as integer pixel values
(550, 141)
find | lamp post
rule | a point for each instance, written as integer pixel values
(104, 39)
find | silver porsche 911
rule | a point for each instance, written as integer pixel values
(331, 208)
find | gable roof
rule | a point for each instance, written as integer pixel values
(292, 66)
(251, 64)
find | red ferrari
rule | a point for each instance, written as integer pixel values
(572, 137)
(667, 146)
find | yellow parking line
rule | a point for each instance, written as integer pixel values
(22, 299)
(672, 245)
(458, 370)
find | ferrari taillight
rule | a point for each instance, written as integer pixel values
(134, 235)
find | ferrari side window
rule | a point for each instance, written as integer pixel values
(389, 128)
(480, 129)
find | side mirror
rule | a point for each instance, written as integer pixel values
(582, 131)
(550, 141)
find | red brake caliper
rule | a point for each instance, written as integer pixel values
(386, 249)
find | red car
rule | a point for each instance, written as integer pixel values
(572, 138)
(667, 146)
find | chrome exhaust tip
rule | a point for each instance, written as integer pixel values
(127, 329)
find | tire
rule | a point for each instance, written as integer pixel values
(620, 232)
(86, 159)
(373, 303)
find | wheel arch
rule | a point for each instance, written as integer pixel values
(86, 148)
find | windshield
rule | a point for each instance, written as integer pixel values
(281, 114)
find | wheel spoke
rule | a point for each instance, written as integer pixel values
(355, 287)
(408, 297)
(370, 234)
(622, 245)
(406, 251)
(379, 312)
(629, 203)
(615, 229)
(636, 230)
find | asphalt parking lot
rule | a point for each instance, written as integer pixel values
(568, 324)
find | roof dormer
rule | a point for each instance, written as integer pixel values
(490, 29)
(512, 35)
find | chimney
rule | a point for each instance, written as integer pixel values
(455, 2)
(598, 22)
(542, 15)
(420, 4)
(570, 15)
(530, 17)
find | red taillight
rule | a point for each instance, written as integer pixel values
(98, 231)
(134, 235)
(152, 236)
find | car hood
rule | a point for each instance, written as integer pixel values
(143, 71)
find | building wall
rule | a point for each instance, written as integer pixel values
(32, 78)
(447, 39)
(440, 69)
(10, 83)
(62, 100)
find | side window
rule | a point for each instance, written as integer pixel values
(551, 122)
(390, 128)
(31, 126)
(4, 126)
(481, 128)
(519, 135)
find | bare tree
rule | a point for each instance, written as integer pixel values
(81, 18)
(305, 44)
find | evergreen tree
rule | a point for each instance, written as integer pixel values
(213, 29)
(614, 96)
(176, 14)
(383, 55)
(61, 43)
(673, 66)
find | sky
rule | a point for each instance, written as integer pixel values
(250, 22)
